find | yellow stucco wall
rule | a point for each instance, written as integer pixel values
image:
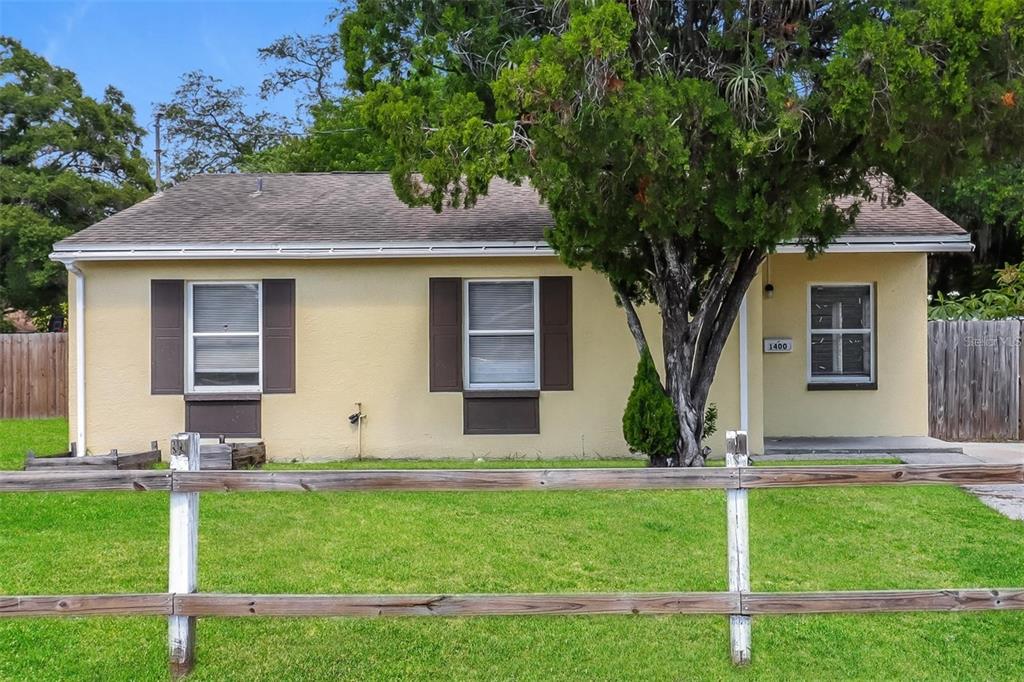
(361, 336)
(899, 406)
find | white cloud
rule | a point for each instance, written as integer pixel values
(64, 28)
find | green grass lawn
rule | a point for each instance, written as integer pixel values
(811, 539)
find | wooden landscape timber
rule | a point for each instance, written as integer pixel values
(183, 602)
(111, 460)
(226, 456)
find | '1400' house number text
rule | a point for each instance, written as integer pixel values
(778, 345)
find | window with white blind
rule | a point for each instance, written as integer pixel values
(501, 345)
(841, 333)
(224, 351)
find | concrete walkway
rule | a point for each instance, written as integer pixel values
(1008, 500)
(855, 447)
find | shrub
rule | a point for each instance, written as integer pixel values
(1006, 301)
(649, 423)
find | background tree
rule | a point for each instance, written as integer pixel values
(216, 129)
(337, 138)
(677, 143)
(989, 203)
(336, 141)
(210, 130)
(307, 63)
(66, 161)
(1004, 301)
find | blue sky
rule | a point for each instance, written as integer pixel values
(143, 47)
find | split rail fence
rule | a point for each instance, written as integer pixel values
(183, 603)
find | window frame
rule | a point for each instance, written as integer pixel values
(871, 330)
(466, 333)
(190, 333)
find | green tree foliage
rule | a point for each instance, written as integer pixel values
(1005, 300)
(214, 129)
(989, 203)
(307, 63)
(66, 161)
(210, 129)
(676, 144)
(336, 141)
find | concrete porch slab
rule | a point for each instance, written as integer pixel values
(855, 446)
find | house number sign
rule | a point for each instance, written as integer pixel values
(778, 345)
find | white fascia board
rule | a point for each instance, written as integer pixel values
(118, 252)
(300, 251)
(915, 244)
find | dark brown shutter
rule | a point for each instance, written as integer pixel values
(167, 345)
(445, 334)
(556, 333)
(279, 336)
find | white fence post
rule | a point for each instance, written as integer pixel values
(183, 562)
(739, 552)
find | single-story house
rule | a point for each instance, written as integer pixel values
(320, 314)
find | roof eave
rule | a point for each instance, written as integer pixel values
(299, 251)
(945, 243)
(296, 251)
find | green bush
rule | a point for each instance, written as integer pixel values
(649, 423)
(1006, 301)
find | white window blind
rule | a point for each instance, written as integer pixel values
(501, 334)
(841, 333)
(225, 336)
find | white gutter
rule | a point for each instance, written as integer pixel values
(915, 244)
(79, 357)
(299, 251)
(345, 250)
(744, 369)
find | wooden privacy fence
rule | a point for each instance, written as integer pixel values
(33, 375)
(183, 603)
(974, 379)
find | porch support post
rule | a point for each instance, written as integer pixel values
(183, 562)
(739, 554)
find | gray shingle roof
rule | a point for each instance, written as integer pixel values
(338, 208)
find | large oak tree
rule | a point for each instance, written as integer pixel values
(678, 143)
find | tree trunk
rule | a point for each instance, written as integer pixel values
(693, 341)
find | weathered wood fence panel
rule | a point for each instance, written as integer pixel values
(33, 375)
(974, 379)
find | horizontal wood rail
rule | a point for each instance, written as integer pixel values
(160, 604)
(183, 602)
(440, 480)
(393, 605)
(142, 480)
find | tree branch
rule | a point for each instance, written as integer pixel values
(636, 327)
(722, 323)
